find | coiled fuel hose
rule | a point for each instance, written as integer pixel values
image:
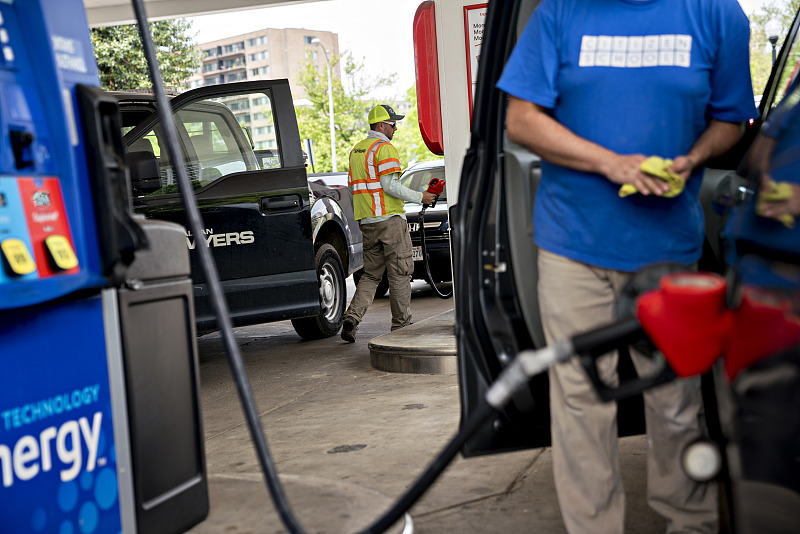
(425, 258)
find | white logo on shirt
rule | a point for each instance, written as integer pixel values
(668, 50)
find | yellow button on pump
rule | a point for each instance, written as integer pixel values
(18, 259)
(61, 253)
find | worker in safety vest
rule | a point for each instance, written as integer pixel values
(378, 201)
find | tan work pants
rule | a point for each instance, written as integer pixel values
(574, 298)
(387, 246)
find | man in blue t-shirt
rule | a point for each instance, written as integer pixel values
(595, 88)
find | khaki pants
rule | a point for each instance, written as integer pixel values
(574, 298)
(387, 246)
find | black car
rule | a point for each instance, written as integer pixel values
(436, 224)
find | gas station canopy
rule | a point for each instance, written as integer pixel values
(114, 12)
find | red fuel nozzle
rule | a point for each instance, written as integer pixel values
(436, 186)
(689, 322)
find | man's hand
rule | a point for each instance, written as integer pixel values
(627, 170)
(683, 166)
(790, 206)
(428, 198)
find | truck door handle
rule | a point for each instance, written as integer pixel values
(281, 203)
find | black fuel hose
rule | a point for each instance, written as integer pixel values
(282, 506)
(428, 275)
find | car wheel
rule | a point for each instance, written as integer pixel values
(383, 286)
(332, 297)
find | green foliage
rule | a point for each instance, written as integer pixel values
(121, 61)
(782, 12)
(351, 104)
(350, 107)
(407, 138)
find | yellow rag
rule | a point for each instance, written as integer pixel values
(658, 167)
(777, 192)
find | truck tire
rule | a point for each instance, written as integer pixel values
(332, 297)
(383, 286)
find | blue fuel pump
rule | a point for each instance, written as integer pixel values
(88, 352)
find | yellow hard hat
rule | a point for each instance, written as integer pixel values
(381, 113)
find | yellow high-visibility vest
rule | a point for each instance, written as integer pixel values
(369, 160)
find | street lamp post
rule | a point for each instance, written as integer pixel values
(317, 42)
(773, 40)
(772, 29)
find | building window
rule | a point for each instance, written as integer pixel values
(232, 48)
(257, 41)
(263, 145)
(238, 105)
(261, 101)
(311, 54)
(258, 56)
(260, 71)
(264, 130)
(307, 39)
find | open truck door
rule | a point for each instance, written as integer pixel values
(254, 200)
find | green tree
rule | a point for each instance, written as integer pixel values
(351, 104)
(120, 55)
(408, 139)
(350, 107)
(781, 12)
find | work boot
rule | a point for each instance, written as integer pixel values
(349, 328)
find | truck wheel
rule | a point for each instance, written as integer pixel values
(383, 286)
(332, 297)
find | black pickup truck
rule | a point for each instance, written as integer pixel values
(283, 243)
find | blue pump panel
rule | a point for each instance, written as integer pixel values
(48, 234)
(58, 469)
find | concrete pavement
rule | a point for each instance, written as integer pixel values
(348, 440)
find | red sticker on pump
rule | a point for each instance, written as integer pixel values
(44, 210)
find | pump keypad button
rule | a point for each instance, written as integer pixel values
(17, 259)
(60, 252)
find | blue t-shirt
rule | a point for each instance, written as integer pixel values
(637, 77)
(745, 226)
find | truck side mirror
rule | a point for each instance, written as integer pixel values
(145, 176)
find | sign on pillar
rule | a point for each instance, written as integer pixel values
(474, 22)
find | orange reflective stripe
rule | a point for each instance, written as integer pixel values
(388, 166)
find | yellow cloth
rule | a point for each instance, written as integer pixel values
(658, 167)
(777, 192)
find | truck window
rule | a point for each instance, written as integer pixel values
(220, 136)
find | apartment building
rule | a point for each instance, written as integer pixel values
(264, 54)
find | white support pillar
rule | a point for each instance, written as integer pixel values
(454, 87)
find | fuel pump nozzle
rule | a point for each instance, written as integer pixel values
(436, 187)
